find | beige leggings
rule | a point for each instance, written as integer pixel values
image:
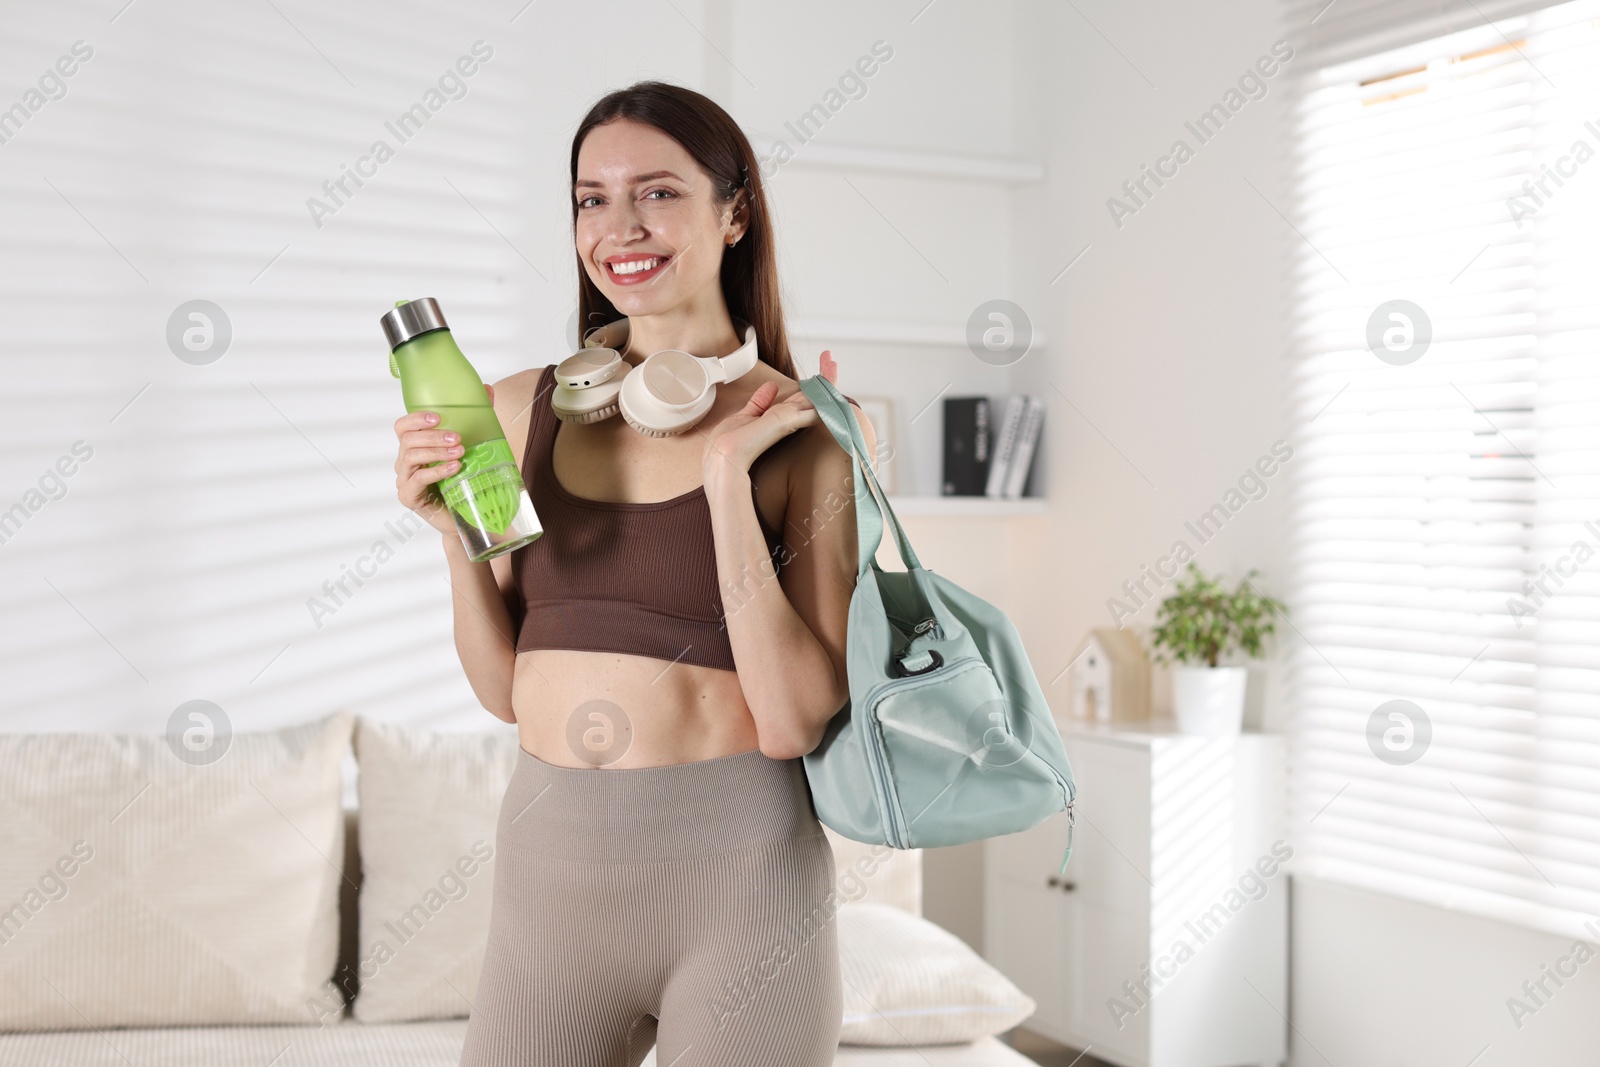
(688, 906)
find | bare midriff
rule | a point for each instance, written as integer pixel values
(612, 710)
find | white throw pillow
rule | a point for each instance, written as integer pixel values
(430, 803)
(910, 982)
(138, 888)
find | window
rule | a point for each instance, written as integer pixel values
(1446, 521)
(185, 518)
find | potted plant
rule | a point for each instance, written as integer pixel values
(1200, 624)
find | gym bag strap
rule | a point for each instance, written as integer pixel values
(946, 737)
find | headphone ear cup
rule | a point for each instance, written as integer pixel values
(667, 394)
(628, 402)
(586, 402)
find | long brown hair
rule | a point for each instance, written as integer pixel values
(709, 134)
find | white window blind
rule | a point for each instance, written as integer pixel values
(1337, 30)
(1435, 496)
(235, 536)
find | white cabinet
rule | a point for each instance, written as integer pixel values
(1165, 943)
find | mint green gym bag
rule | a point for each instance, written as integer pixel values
(946, 737)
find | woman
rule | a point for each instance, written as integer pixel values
(661, 875)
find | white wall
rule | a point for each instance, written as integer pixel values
(1169, 326)
(1392, 983)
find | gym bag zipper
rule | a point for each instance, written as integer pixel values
(875, 748)
(1072, 822)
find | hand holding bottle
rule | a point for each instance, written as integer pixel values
(422, 446)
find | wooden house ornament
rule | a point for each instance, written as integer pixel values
(1111, 678)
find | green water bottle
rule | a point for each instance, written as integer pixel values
(486, 496)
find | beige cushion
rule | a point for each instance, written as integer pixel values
(909, 982)
(138, 889)
(430, 803)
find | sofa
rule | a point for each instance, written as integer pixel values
(318, 895)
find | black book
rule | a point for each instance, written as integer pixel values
(966, 445)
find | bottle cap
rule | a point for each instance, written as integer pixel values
(411, 318)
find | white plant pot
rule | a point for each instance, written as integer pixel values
(1209, 700)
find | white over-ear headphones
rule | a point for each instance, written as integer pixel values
(664, 395)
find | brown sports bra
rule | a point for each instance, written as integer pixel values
(612, 576)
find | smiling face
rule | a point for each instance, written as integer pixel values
(650, 231)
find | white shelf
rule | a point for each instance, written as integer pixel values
(887, 331)
(976, 507)
(1001, 169)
